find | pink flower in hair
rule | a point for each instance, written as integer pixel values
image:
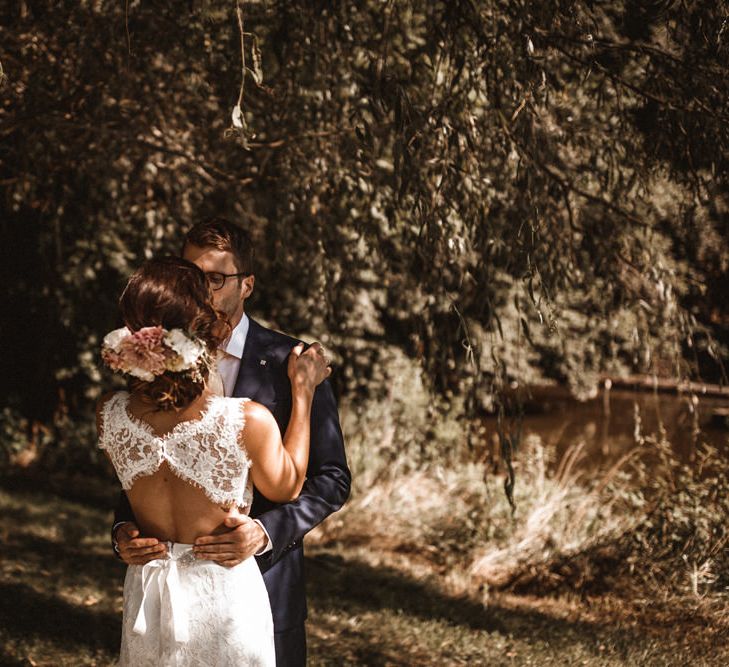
(151, 351)
(143, 353)
(112, 359)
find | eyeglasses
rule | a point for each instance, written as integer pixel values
(217, 280)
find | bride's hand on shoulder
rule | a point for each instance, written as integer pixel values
(308, 369)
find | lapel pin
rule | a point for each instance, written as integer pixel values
(263, 362)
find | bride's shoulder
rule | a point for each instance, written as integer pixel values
(253, 411)
(248, 409)
(257, 419)
(107, 398)
(102, 403)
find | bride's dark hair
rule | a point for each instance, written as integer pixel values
(173, 293)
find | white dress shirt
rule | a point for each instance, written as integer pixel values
(230, 354)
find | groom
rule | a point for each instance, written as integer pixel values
(253, 364)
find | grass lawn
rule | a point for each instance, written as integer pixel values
(60, 603)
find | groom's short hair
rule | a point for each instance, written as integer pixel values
(222, 234)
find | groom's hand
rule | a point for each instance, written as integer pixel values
(135, 550)
(244, 539)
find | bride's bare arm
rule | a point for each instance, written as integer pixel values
(279, 467)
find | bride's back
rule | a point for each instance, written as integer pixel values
(172, 509)
(184, 472)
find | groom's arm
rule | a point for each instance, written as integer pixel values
(122, 514)
(327, 484)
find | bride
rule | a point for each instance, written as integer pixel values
(187, 459)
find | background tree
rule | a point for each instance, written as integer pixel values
(499, 191)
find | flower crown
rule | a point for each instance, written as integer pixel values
(152, 351)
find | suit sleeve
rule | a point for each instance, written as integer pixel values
(327, 483)
(122, 513)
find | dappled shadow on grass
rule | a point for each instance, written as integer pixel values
(95, 492)
(356, 587)
(26, 612)
(67, 560)
(51, 513)
(57, 536)
(331, 643)
(351, 587)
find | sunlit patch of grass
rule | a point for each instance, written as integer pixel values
(456, 520)
(558, 513)
(449, 518)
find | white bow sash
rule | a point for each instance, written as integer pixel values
(161, 582)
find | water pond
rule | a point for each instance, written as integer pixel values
(609, 424)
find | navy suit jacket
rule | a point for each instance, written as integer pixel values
(328, 478)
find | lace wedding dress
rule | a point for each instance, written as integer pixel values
(179, 610)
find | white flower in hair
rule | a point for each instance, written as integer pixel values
(140, 373)
(188, 350)
(113, 339)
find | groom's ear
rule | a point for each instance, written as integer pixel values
(249, 283)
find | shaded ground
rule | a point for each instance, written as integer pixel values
(60, 603)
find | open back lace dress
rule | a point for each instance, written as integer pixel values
(179, 610)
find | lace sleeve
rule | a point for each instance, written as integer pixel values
(208, 452)
(240, 425)
(247, 496)
(105, 439)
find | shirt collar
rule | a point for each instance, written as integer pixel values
(235, 345)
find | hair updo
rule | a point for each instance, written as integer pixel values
(173, 293)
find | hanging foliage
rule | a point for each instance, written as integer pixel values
(504, 191)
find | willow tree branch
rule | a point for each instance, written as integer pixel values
(620, 81)
(239, 15)
(566, 183)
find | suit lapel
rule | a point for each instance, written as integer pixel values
(252, 371)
